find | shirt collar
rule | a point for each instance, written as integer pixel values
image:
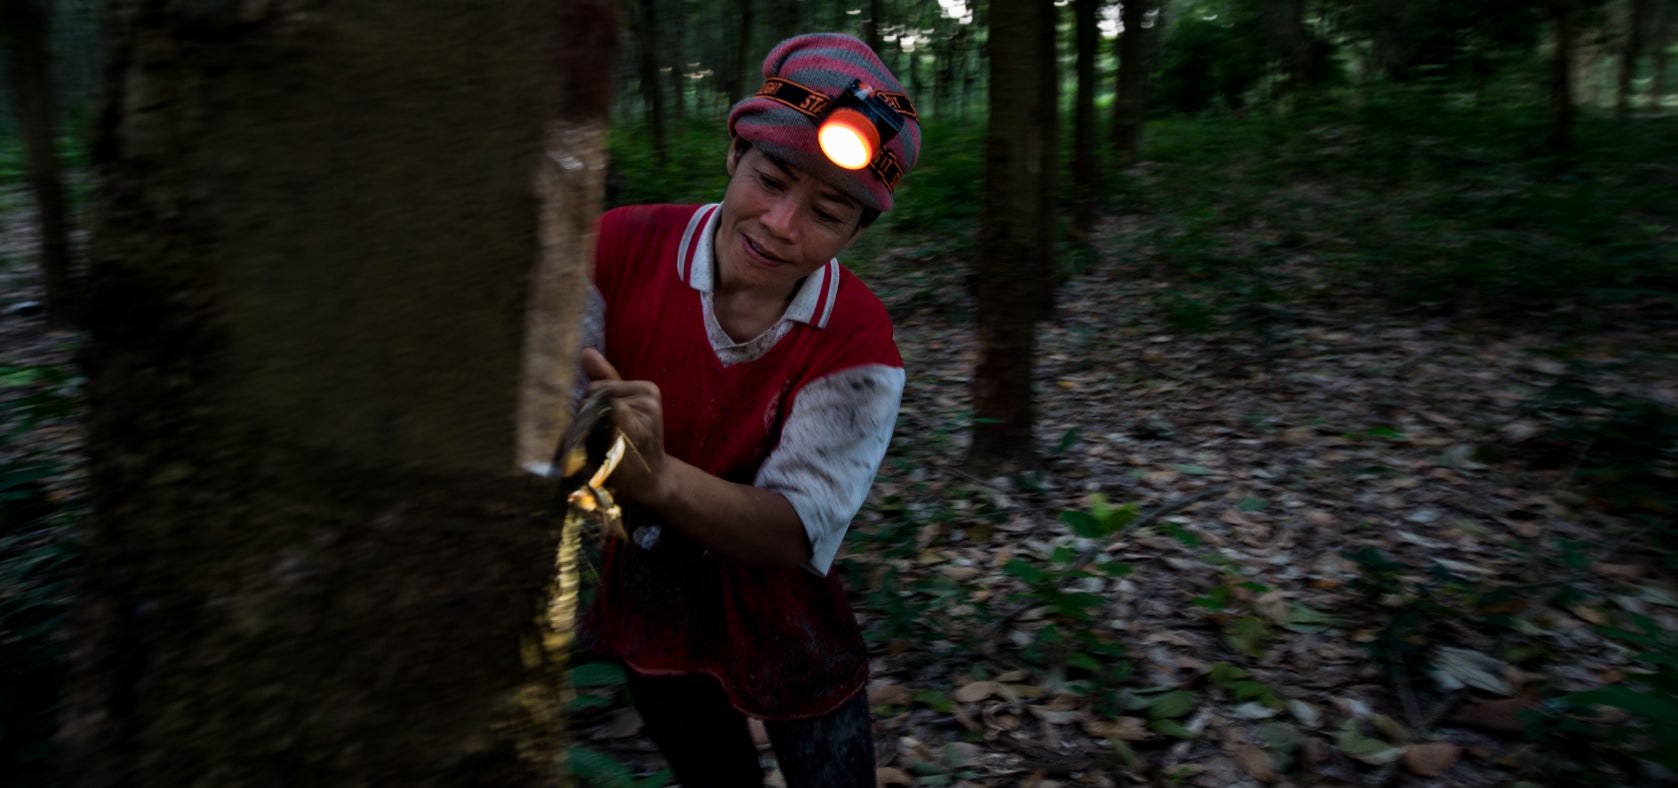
(696, 265)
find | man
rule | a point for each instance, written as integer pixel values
(758, 384)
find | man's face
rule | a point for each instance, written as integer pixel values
(778, 224)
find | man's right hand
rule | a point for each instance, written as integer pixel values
(638, 412)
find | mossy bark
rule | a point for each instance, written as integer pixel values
(313, 559)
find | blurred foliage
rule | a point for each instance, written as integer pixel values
(39, 545)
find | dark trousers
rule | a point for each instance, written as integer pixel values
(708, 745)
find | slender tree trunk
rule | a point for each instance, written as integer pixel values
(26, 35)
(1046, 109)
(1299, 46)
(871, 26)
(1561, 78)
(1129, 98)
(1086, 162)
(746, 77)
(1638, 15)
(311, 559)
(1010, 235)
(651, 47)
(1665, 29)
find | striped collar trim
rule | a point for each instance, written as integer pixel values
(695, 265)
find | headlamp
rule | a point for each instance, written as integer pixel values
(852, 128)
(857, 125)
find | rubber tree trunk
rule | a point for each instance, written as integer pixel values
(1086, 162)
(1561, 77)
(312, 559)
(1129, 98)
(25, 31)
(1012, 261)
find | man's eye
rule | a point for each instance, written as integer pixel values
(824, 217)
(769, 183)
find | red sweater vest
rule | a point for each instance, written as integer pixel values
(783, 642)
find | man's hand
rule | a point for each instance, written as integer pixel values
(637, 411)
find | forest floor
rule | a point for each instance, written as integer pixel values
(1356, 550)
(1375, 550)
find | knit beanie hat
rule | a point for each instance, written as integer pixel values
(781, 120)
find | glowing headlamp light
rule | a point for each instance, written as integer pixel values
(853, 127)
(857, 125)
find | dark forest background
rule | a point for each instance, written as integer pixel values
(1292, 396)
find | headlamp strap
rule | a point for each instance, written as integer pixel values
(815, 104)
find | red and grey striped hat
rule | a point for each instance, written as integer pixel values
(802, 77)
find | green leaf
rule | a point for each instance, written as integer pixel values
(1371, 751)
(1247, 635)
(1085, 661)
(1083, 524)
(1194, 470)
(1224, 674)
(1171, 728)
(598, 768)
(1659, 708)
(1177, 532)
(597, 674)
(1251, 504)
(935, 700)
(1067, 438)
(1114, 568)
(1172, 704)
(1024, 570)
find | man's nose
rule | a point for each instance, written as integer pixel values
(782, 216)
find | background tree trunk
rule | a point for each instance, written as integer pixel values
(871, 26)
(1086, 165)
(25, 34)
(1561, 77)
(651, 49)
(1045, 108)
(747, 76)
(1638, 17)
(311, 559)
(1132, 81)
(1009, 236)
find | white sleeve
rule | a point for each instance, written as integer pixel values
(831, 446)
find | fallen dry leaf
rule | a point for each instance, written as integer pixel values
(1124, 728)
(1431, 759)
(1253, 760)
(975, 692)
(891, 775)
(1502, 714)
(888, 694)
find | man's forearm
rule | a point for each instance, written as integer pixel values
(738, 522)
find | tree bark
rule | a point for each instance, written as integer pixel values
(1665, 30)
(746, 76)
(311, 559)
(1299, 46)
(1637, 16)
(1128, 100)
(1045, 108)
(871, 26)
(1011, 260)
(26, 35)
(1561, 78)
(650, 47)
(1086, 163)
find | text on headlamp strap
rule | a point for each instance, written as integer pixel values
(814, 103)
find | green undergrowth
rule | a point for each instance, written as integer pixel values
(40, 543)
(1408, 201)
